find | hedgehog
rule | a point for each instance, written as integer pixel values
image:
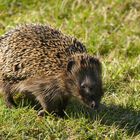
(53, 67)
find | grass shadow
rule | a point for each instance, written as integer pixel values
(123, 118)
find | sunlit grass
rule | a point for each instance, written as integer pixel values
(110, 29)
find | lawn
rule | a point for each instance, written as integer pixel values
(110, 29)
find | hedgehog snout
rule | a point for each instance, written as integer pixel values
(92, 105)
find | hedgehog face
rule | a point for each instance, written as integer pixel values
(87, 78)
(90, 87)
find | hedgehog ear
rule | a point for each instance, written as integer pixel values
(97, 63)
(70, 65)
(92, 60)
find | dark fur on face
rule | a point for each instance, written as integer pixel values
(86, 73)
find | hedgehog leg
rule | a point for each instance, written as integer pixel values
(43, 103)
(62, 108)
(8, 96)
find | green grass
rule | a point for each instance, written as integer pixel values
(111, 30)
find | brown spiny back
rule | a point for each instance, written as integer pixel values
(31, 50)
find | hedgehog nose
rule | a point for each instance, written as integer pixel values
(93, 104)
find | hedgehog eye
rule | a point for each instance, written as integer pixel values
(91, 88)
(83, 86)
